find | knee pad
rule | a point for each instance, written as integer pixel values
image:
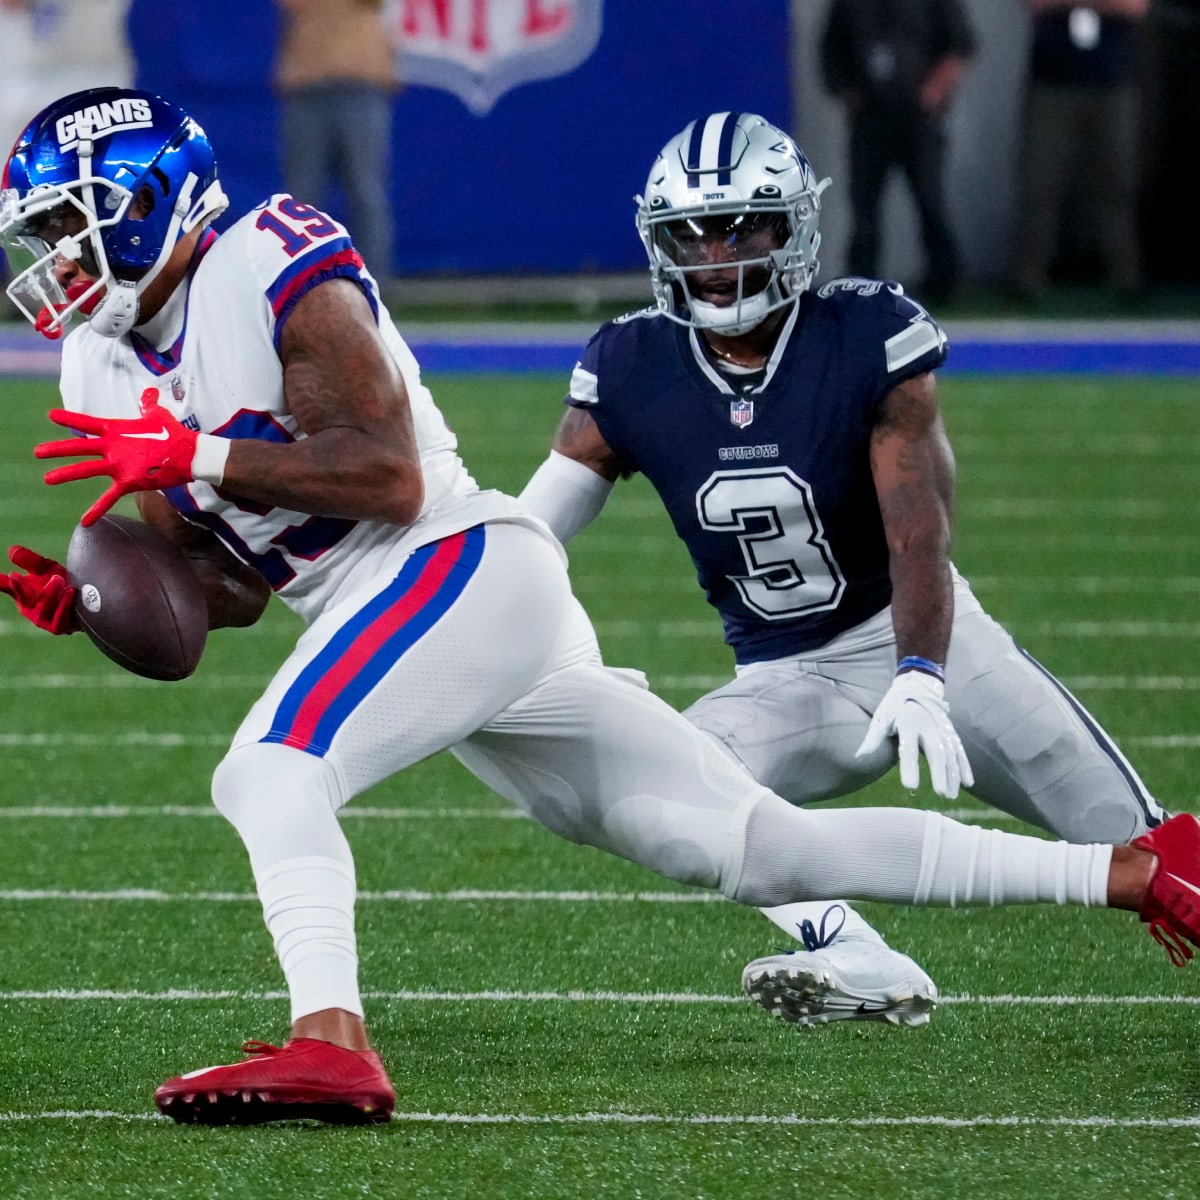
(283, 802)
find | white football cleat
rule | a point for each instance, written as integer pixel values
(849, 979)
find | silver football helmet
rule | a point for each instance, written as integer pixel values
(732, 191)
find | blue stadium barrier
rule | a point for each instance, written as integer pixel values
(966, 357)
(457, 349)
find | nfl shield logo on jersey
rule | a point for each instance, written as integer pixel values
(480, 49)
(741, 412)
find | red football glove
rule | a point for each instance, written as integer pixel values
(144, 454)
(43, 595)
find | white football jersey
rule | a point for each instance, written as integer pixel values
(213, 354)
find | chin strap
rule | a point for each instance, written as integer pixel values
(117, 312)
(746, 316)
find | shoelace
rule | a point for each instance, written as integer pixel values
(263, 1048)
(815, 939)
(1178, 951)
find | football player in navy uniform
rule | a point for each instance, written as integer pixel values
(253, 395)
(793, 435)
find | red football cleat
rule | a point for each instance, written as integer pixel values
(1171, 905)
(306, 1078)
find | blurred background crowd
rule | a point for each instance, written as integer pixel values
(1000, 156)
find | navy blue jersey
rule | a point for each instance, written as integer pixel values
(767, 479)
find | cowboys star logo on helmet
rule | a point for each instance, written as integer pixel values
(111, 179)
(732, 194)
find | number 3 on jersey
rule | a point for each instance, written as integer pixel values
(789, 567)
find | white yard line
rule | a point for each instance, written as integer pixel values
(174, 741)
(118, 811)
(405, 996)
(214, 682)
(137, 737)
(398, 896)
(792, 1120)
(1079, 683)
(650, 508)
(1085, 630)
(1090, 585)
(124, 681)
(787, 1120)
(71, 812)
(707, 628)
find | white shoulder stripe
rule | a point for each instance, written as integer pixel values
(583, 386)
(911, 342)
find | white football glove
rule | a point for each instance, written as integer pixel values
(914, 710)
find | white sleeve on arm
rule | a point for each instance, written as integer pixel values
(566, 495)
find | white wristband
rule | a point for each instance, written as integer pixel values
(208, 463)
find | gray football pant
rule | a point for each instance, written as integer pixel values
(1034, 749)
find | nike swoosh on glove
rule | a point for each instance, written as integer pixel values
(149, 453)
(43, 594)
(914, 711)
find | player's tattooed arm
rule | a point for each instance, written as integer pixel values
(579, 437)
(913, 469)
(360, 457)
(236, 593)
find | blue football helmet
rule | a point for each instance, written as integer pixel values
(734, 192)
(110, 178)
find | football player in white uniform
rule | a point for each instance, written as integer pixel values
(814, 492)
(253, 394)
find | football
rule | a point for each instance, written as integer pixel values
(137, 597)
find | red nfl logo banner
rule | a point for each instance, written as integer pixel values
(480, 49)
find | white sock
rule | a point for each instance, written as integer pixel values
(965, 864)
(283, 803)
(909, 856)
(308, 905)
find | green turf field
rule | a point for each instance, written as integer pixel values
(564, 1025)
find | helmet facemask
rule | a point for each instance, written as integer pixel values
(745, 205)
(53, 223)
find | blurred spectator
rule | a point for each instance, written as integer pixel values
(895, 65)
(1169, 242)
(1080, 135)
(335, 72)
(50, 48)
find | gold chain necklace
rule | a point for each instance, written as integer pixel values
(726, 356)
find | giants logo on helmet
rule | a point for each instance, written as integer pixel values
(480, 49)
(100, 120)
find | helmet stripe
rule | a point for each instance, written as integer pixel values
(695, 145)
(711, 141)
(710, 148)
(725, 150)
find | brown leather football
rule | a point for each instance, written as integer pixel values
(137, 597)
